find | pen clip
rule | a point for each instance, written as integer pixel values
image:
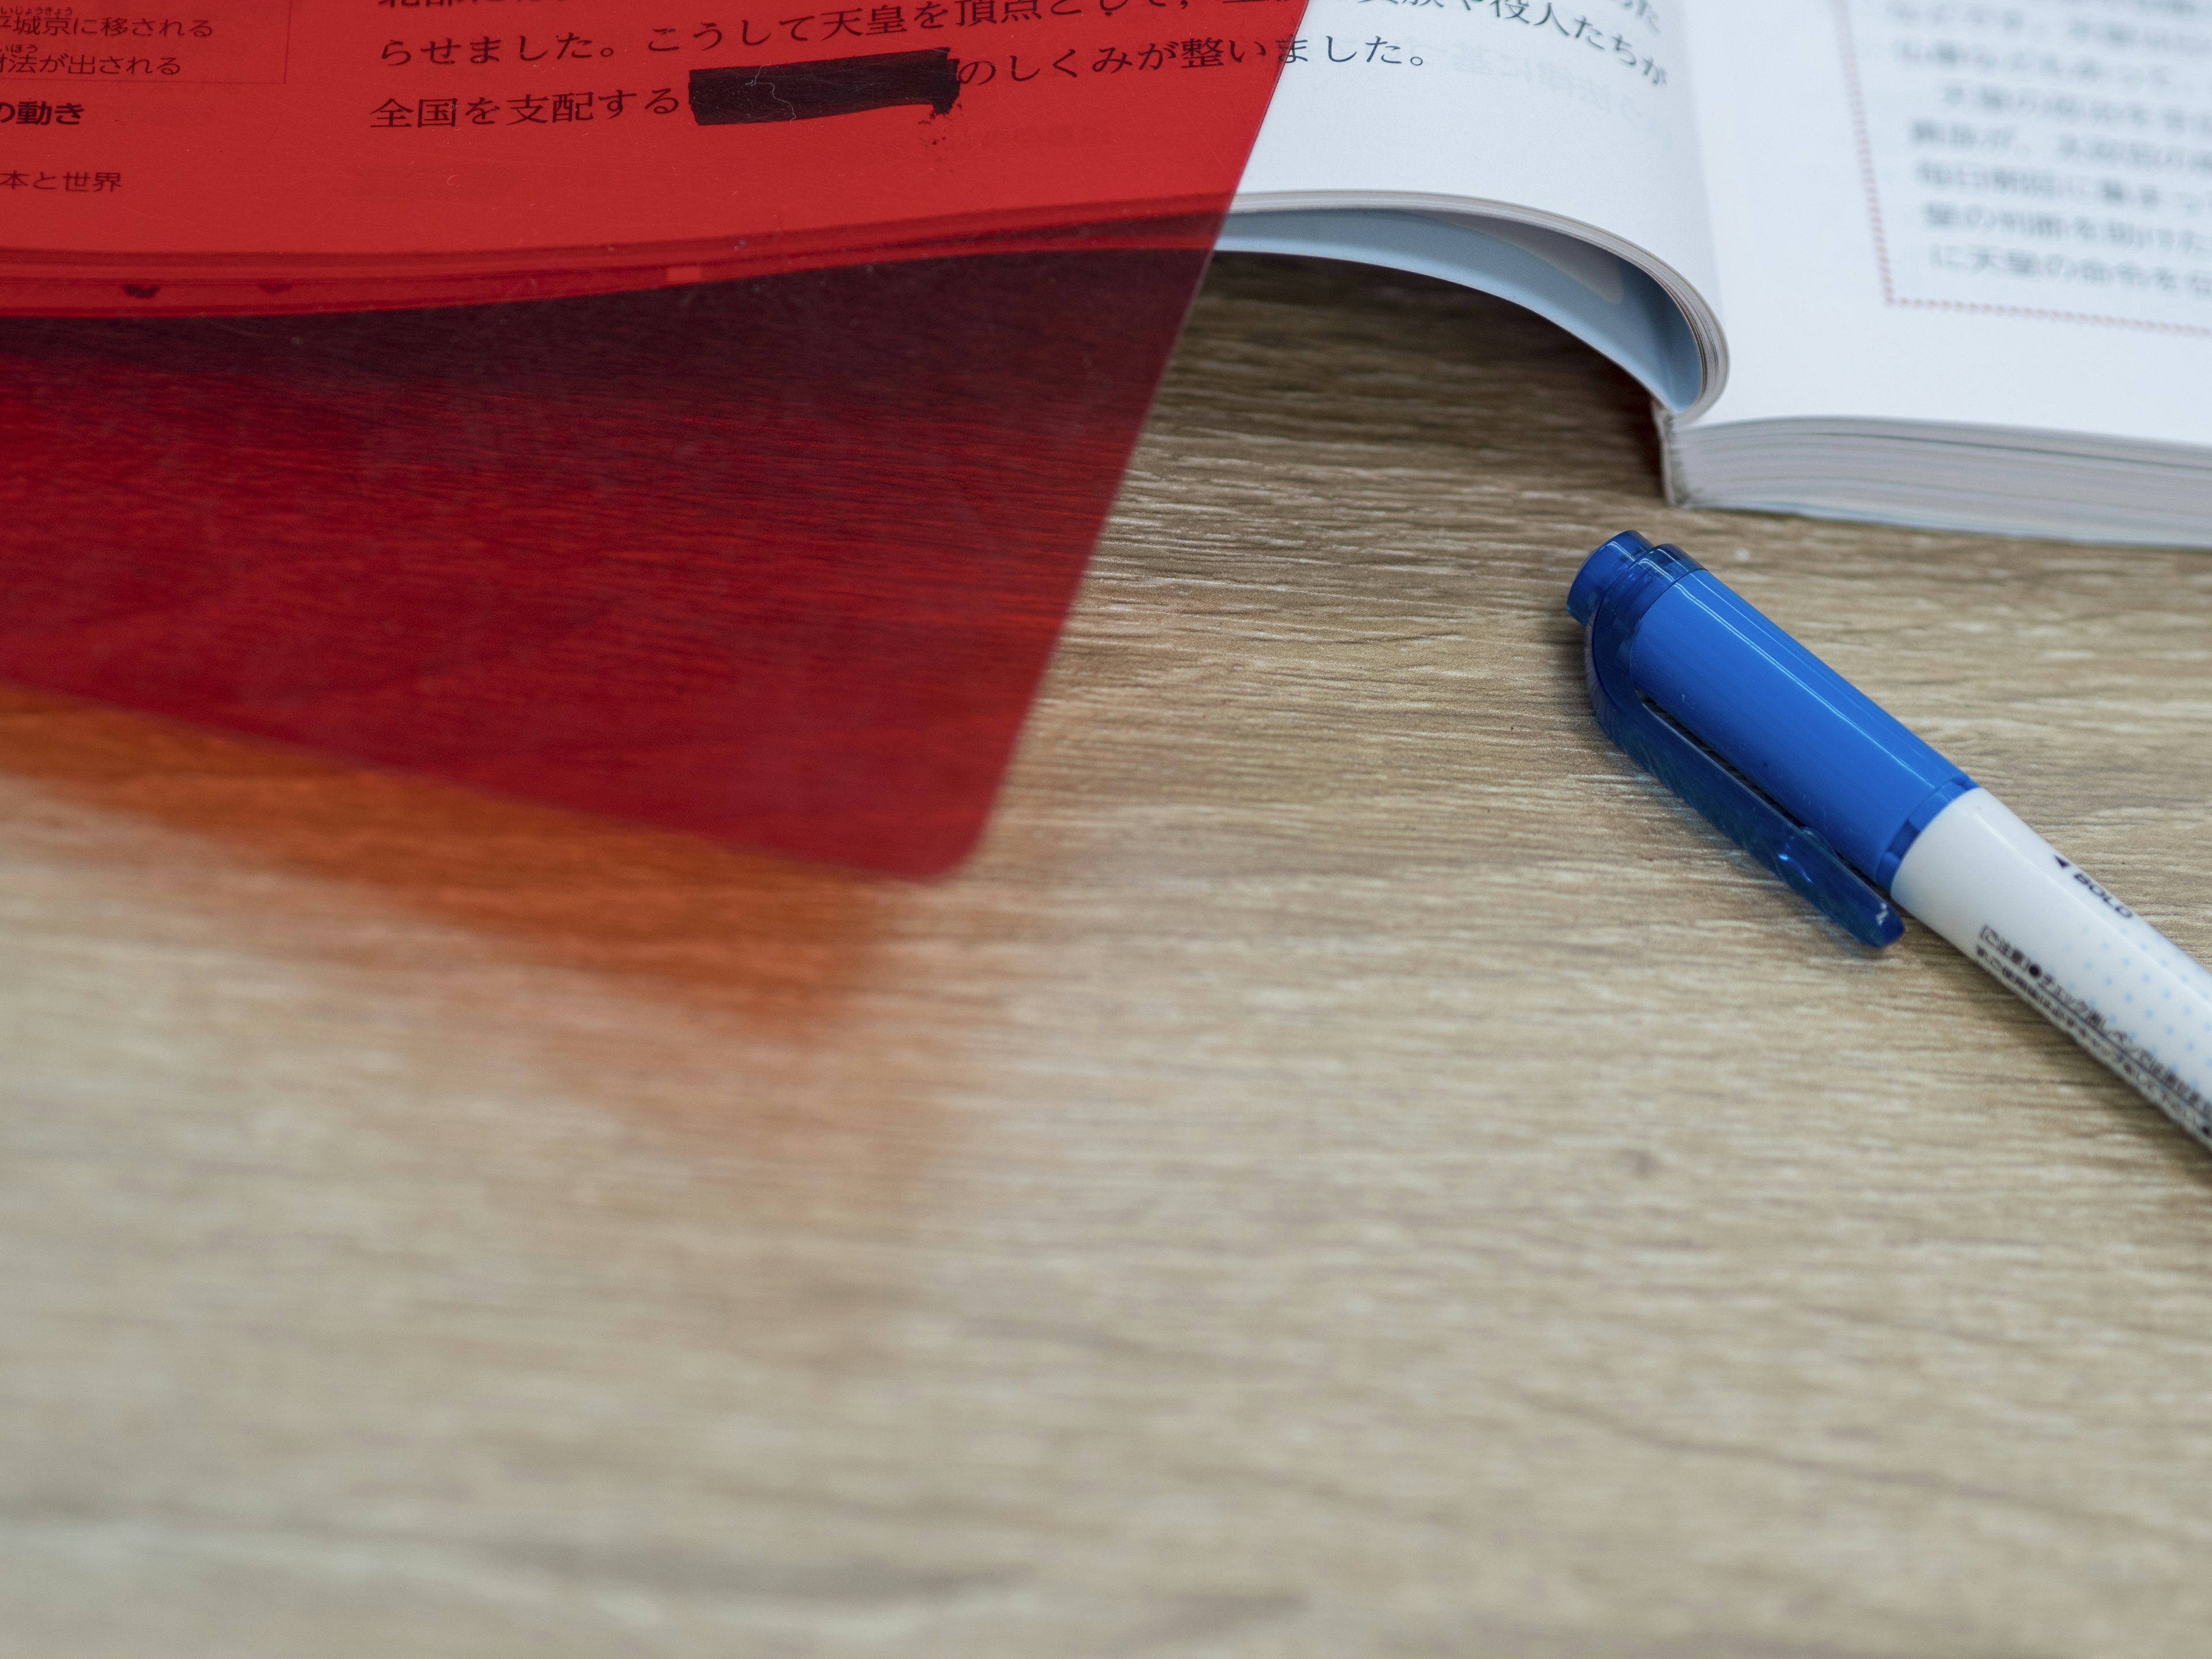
(1731, 806)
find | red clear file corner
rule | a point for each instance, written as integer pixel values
(707, 425)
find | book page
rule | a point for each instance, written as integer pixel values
(2049, 158)
(1573, 114)
(1986, 212)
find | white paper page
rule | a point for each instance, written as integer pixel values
(1983, 212)
(1571, 114)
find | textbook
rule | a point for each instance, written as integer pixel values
(1945, 263)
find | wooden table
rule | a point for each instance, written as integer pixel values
(1351, 1169)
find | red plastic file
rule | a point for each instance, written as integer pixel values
(703, 423)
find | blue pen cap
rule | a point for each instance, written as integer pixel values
(1814, 744)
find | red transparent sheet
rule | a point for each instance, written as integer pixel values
(733, 475)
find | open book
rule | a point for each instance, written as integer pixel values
(1924, 261)
(1946, 262)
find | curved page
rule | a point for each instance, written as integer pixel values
(1573, 120)
(1603, 300)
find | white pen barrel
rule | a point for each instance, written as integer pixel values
(2098, 971)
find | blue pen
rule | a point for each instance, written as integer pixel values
(1806, 773)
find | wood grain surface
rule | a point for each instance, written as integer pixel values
(1350, 1170)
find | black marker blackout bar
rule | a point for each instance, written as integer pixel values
(829, 86)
